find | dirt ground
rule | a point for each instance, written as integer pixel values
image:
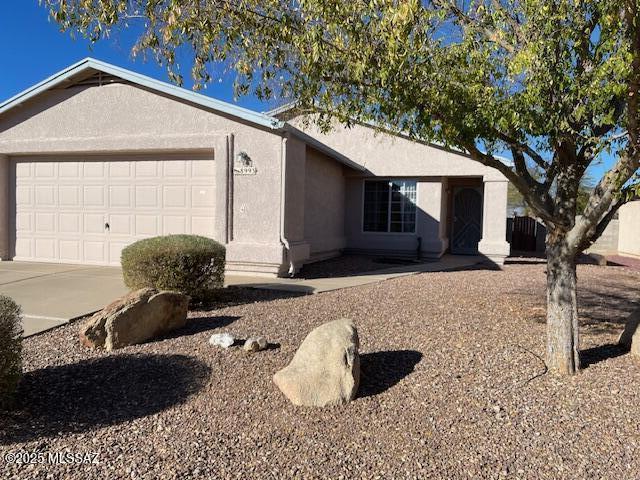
(453, 386)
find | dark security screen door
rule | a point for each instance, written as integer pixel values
(467, 221)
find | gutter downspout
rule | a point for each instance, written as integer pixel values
(283, 179)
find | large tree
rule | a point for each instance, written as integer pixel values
(553, 82)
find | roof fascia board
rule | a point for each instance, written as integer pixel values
(44, 85)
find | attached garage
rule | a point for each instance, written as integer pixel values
(86, 209)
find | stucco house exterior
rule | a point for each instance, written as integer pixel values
(96, 157)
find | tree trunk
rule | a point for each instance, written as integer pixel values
(562, 306)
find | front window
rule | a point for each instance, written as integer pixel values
(389, 206)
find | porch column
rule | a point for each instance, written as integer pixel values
(494, 245)
(4, 207)
(430, 219)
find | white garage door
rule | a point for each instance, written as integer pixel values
(87, 209)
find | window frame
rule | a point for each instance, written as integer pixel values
(388, 231)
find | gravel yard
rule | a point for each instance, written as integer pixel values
(453, 386)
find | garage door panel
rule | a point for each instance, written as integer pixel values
(94, 223)
(94, 251)
(120, 196)
(23, 195)
(70, 223)
(146, 168)
(23, 222)
(70, 250)
(147, 196)
(174, 169)
(63, 205)
(94, 196)
(174, 196)
(69, 195)
(203, 170)
(24, 248)
(146, 225)
(202, 226)
(45, 223)
(115, 250)
(45, 196)
(69, 170)
(45, 170)
(120, 224)
(173, 224)
(23, 170)
(203, 196)
(45, 248)
(119, 169)
(93, 169)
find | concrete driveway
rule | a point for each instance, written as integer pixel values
(52, 294)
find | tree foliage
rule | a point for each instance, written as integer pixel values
(546, 80)
(553, 82)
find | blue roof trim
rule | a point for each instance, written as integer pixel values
(144, 81)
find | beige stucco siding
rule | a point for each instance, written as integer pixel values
(121, 118)
(629, 229)
(324, 218)
(384, 154)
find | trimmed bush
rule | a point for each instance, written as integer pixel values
(10, 350)
(188, 264)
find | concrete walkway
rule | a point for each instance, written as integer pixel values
(52, 294)
(319, 285)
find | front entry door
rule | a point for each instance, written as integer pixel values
(467, 220)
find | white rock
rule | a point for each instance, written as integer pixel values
(224, 340)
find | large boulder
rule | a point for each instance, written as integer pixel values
(326, 368)
(135, 318)
(630, 337)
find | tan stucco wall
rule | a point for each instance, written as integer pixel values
(123, 118)
(324, 216)
(384, 154)
(629, 229)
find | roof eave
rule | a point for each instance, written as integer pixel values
(144, 81)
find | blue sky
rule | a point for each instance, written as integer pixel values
(33, 48)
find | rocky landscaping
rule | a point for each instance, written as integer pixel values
(452, 385)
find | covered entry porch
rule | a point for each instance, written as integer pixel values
(427, 217)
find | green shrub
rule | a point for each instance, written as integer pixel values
(188, 264)
(10, 350)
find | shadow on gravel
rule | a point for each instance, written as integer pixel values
(236, 295)
(201, 324)
(95, 393)
(591, 356)
(380, 371)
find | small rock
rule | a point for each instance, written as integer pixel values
(255, 344)
(224, 340)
